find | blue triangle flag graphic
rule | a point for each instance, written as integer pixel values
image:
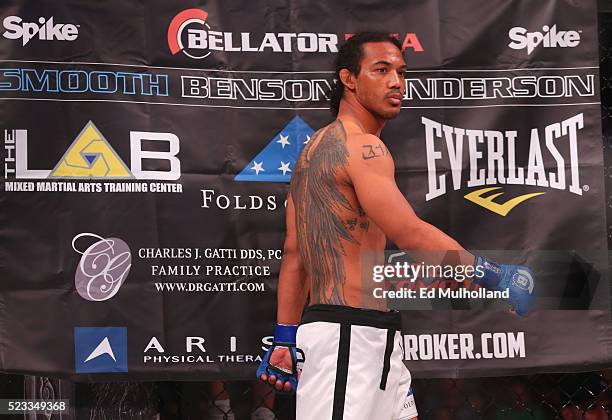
(276, 161)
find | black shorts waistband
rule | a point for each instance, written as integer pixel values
(353, 316)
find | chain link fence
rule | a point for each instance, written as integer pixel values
(538, 397)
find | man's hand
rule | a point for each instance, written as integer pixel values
(278, 367)
(517, 279)
(280, 358)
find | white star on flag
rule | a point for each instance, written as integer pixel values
(307, 139)
(284, 167)
(284, 140)
(258, 167)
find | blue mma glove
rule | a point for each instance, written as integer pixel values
(284, 336)
(518, 279)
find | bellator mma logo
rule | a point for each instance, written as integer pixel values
(496, 164)
(190, 34)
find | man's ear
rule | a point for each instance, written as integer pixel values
(347, 78)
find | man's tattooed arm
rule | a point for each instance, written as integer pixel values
(371, 151)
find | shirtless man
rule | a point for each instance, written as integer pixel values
(342, 193)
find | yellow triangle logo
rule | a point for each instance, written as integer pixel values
(91, 156)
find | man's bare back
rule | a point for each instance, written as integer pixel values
(343, 203)
(337, 241)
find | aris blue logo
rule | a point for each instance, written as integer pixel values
(100, 349)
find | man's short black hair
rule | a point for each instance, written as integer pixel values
(349, 57)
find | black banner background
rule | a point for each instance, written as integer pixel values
(219, 138)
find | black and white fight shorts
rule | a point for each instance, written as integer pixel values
(353, 367)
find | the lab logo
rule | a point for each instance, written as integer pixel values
(100, 349)
(91, 156)
(103, 267)
(276, 161)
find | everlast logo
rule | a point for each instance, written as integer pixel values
(492, 161)
(45, 29)
(548, 38)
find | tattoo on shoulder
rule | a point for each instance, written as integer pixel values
(364, 221)
(319, 203)
(371, 151)
(351, 223)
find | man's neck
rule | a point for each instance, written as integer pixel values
(352, 111)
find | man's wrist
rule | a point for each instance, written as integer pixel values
(488, 273)
(285, 334)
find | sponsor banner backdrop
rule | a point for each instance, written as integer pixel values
(147, 152)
